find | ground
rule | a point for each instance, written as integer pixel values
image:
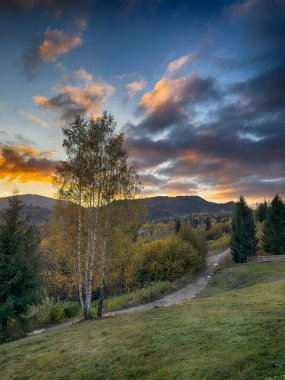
(236, 331)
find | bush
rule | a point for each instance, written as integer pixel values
(218, 230)
(71, 309)
(148, 293)
(225, 262)
(219, 244)
(169, 259)
(196, 238)
(45, 313)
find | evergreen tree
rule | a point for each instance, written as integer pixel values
(274, 228)
(261, 211)
(177, 225)
(243, 241)
(208, 224)
(18, 264)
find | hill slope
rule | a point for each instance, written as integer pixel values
(166, 207)
(157, 207)
(237, 334)
(31, 200)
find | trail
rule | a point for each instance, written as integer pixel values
(185, 294)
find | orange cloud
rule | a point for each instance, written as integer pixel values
(72, 100)
(135, 87)
(56, 42)
(177, 64)
(165, 91)
(25, 164)
(83, 75)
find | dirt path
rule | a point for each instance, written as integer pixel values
(55, 327)
(183, 295)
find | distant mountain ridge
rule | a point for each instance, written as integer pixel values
(167, 207)
(31, 200)
(158, 207)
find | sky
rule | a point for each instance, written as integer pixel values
(197, 87)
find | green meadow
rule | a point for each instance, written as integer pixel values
(235, 330)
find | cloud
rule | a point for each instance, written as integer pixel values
(172, 100)
(25, 164)
(176, 65)
(135, 87)
(83, 75)
(53, 43)
(71, 100)
(31, 117)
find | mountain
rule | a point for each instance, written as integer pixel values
(167, 207)
(36, 207)
(32, 200)
(158, 207)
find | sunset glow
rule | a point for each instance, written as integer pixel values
(196, 87)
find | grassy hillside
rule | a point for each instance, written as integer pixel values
(234, 334)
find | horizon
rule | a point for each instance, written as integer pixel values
(196, 87)
(146, 197)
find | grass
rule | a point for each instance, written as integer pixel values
(238, 333)
(243, 276)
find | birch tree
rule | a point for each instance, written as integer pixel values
(94, 174)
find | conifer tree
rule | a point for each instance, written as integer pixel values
(273, 238)
(208, 224)
(243, 241)
(261, 211)
(18, 264)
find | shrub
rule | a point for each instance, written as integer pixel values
(71, 309)
(218, 230)
(196, 238)
(45, 313)
(148, 293)
(219, 244)
(169, 259)
(225, 262)
(56, 313)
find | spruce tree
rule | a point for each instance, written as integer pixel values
(208, 225)
(261, 211)
(18, 264)
(273, 238)
(243, 241)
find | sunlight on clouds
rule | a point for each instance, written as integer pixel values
(176, 65)
(83, 75)
(135, 87)
(56, 42)
(165, 91)
(71, 100)
(31, 117)
(25, 164)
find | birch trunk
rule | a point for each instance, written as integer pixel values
(79, 272)
(92, 260)
(103, 267)
(102, 279)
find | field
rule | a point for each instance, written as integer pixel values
(234, 331)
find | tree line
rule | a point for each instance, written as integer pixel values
(243, 242)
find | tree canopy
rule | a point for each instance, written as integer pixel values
(273, 238)
(18, 263)
(243, 241)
